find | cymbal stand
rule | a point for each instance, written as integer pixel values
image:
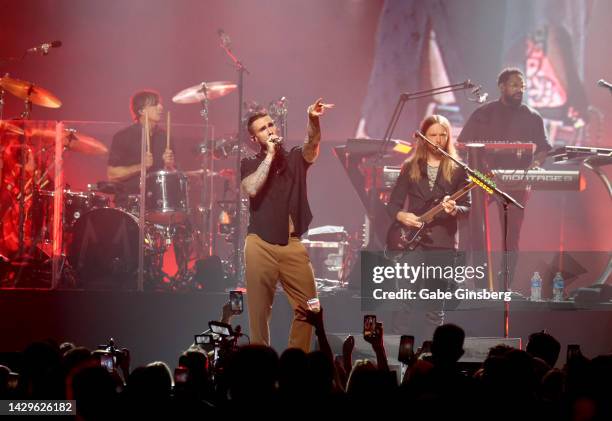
(208, 242)
(1, 103)
(22, 176)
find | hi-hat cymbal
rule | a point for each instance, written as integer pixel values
(201, 91)
(27, 90)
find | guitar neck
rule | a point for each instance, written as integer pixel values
(433, 212)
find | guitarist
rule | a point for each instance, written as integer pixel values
(426, 179)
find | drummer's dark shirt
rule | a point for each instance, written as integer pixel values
(125, 150)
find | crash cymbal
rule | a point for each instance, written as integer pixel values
(210, 90)
(73, 140)
(27, 90)
(79, 142)
(8, 126)
(226, 172)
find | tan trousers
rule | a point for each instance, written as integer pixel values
(265, 265)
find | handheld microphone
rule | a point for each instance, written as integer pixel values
(276, 140)
(44, 48)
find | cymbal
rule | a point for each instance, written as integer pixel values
(73, 140)
(201, 91)
(6, 125)
(84, 144)
(27, 90)
(226, 172)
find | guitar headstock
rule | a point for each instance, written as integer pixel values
(484, 181)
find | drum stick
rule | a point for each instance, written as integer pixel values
(168, 131)
(147, 133)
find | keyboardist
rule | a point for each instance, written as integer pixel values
(509, 120)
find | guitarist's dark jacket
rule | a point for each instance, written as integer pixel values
(418, 199)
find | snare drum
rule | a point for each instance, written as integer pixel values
(166, 197)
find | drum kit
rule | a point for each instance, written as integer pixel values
(100, 243)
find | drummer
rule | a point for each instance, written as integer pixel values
(124, 157)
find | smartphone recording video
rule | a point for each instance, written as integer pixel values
(107, 360)
(236, 302)
(573, 351)
(369, 325)
(406, 349)
(180, 375)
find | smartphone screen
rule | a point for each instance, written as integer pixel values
(180, 375)
(369, 324)
(203, 339)
(573, 350)
(107, 361)
(406, 349)
(236, 301)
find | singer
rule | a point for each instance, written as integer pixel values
(275, 180)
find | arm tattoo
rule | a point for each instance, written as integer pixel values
(311, 145)
(253, 183)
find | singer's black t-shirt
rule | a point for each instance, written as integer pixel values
(125, 150)
(283, 194)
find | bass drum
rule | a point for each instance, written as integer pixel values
(104, 249)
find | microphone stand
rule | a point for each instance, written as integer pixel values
(506, 200)
(241, 69)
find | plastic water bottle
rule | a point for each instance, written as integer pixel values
(558, 286)
(536, 287)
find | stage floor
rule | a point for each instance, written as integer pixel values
(160, 325)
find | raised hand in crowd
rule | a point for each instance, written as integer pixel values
(227, 313)
(315, 318)
(376, 340)
(347, 353)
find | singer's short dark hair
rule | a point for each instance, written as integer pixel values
(505, 74)
(252, 117)
(142, 99)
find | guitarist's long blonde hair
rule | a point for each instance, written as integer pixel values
(413, 164)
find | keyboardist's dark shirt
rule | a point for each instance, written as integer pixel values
(498, 122)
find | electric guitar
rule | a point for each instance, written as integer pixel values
(403, 238)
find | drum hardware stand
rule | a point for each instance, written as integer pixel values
(207, 181)
(279, 110)
(144, 147)
(1, 104)
(237, 243)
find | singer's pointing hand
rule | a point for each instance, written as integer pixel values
(318, 108)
